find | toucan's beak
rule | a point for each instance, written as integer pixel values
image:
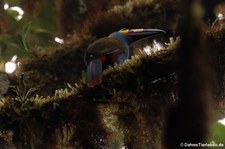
(138, 34)
(145, 32)
(130, 36)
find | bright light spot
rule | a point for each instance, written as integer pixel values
(14, 58)
(222, 121)
(10, 66)
(59, 40)
(6, 6)
(156, 46)
(19, 17)
(147, 50)
(124, 147)
(18, 9)
(220, 16)
(15, 8)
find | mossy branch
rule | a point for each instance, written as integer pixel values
(130, 88)
(80, 104)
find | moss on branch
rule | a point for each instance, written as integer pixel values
(129, 88)
(120, 110)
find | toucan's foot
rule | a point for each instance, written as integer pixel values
(96, 81)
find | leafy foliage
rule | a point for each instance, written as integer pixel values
(28, 35)
(22, 93)
(22, 39)
(217, 133)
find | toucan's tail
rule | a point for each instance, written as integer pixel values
(94, 72)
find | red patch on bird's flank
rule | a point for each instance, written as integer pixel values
(103, 58)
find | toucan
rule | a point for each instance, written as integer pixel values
(113, 49)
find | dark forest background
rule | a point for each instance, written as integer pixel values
(155, 101)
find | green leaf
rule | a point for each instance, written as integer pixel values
(217, 134)
(23, 35)
(26, 29)
(17, 46)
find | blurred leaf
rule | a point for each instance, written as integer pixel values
(23, 35)
(12, 2)
(40, 33)
(12, 13)
(31, 92)
(15, 45)
(46, 19)
(26, 29)
(218, 134)
(22, 43)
